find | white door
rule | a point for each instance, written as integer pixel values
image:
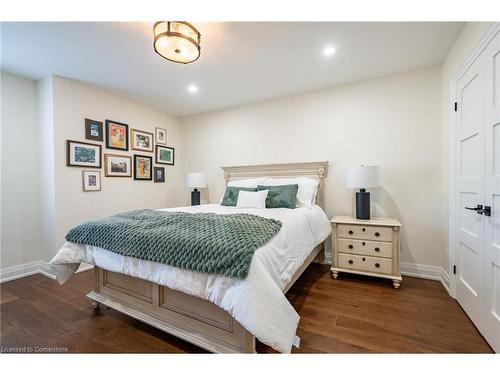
(470, 191)
(478, 183)
(492, 195)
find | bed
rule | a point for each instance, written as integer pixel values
(220, 314)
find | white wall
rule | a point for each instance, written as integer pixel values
(464, 45)
(47, 194)
(391, 121)
(73, 102)
(20, 231)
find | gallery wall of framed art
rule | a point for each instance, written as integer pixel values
(115, 136)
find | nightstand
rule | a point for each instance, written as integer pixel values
(366, 247)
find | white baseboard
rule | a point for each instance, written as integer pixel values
(22, 270)
(33, 268)
(425, 271)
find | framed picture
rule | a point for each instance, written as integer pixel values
(164, 155)
(91, 180)
(143, 167)
(159, 173)
(142, 141)
(117, 165)
(82, 154)
(160, 136)
(116, 135)
(93, 130)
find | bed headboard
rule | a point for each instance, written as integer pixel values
(315, 170)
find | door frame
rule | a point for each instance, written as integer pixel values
(453, 210)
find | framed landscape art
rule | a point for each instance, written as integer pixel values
(116, 135)
(159, 173)
(91, 180)
(165, 155)
(82, 154)
(160, 136)
(117, 165)
(93, 130)
(141, 140)
(143, 167)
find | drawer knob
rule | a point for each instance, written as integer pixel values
(377, 234)
(362, 243)
(377, 249)
(377, 265)
(351, 232)
(350, 261)
(363, 229)
(364, 259)
(350, 246)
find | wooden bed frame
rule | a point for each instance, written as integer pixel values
(191, 318)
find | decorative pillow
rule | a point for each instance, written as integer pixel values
(307, 192)
(280, 196)
(252, 199)
(231, 195)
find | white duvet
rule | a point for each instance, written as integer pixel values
(257, 302)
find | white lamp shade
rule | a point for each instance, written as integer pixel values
(363, 177)
(196, 180)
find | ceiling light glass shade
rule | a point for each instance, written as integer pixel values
(176, 41)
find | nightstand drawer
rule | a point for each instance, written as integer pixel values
(379, 249)
(365, 232)
(365, 263)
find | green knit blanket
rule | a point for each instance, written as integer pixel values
(203, 242)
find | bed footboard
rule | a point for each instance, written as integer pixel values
(190, 318)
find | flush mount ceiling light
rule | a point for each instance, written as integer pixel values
(176, 41)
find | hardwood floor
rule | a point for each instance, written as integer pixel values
(353, 314)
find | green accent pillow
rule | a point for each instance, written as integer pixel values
(280, 196)
(231, 195)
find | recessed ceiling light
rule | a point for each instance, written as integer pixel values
(193, 89)
(328, 51)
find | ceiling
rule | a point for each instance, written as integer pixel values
(241, 62)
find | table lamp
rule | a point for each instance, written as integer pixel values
(196, 180)
(361, 178)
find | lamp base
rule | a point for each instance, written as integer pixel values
(195, 197)
(362, 205)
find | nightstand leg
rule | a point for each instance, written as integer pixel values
(335, 274)
(396, 283)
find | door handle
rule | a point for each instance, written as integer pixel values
(478, 209)
(486, 211)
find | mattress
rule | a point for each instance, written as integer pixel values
(256, 302)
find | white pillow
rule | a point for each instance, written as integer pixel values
(252, 199)
(248, 183)
(306, 193)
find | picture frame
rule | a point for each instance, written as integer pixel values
(159, 174)
(160, 136)
(91, 180)
(83, 154)
(165, 155)
(116, 135)
(93, 130)
(141, 140)
(116, 165)
(143, 167)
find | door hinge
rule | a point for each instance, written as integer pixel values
(454, 270)
(456, 106)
